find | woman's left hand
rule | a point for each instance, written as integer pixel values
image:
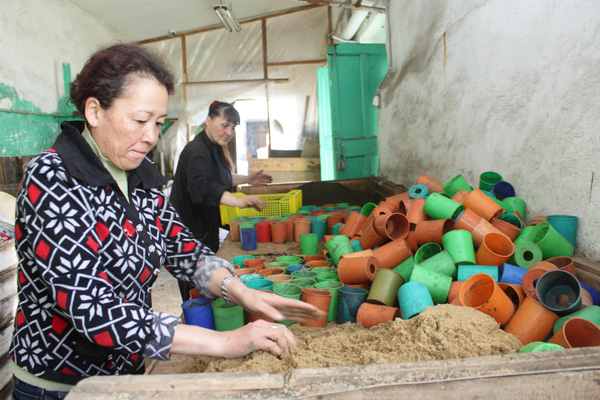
(252, 201)
(258, 178)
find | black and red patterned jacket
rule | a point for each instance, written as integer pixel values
(87, 262)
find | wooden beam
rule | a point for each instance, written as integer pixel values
(284, 164)
(263, 25)
(302, 62)
(347, 5)
(278, 80)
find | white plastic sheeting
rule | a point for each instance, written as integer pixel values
(218, 56)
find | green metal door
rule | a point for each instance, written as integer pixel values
(355, 71)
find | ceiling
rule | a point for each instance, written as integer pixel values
(139, 20)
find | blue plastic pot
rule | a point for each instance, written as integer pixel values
(503, 189)
(198, 312)
(248, 239)
(511, 273)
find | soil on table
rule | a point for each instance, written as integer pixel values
(440, 333)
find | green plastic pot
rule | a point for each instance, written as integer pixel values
(334, 288)
(437, 284)
(337, 246)
(405, 268)
(227, 316)
(459, 245)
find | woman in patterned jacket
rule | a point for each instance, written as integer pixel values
(92, 231)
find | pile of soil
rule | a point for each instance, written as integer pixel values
(440, 333)
(319, 193)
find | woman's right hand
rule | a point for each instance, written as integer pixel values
(275, 338)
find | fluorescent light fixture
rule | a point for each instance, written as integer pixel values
(227, 17)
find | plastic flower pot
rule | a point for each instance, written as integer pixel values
(350, 299)
(244, 271)
(198, 312)
(394, 203)
(418, 191)
(440, 207)
(508, 273)
(514, 292)
(333, 220)
(467, 220)
(384, 289)
(280, 278)
(246, 224)
(434, 186)
(256, 263)
(249, 277)
(482, 293)
(301, 226)
(263, 231)
(483, 205)
(591, 313)
(357, 269)
(516, 204)
(510, 230)
(454, 291)
(526, 254)
(426, 251)
(459, 197)
(593, 292)
(503, 190)
(495, 249)
(459, 245)
(335, 230)
(334, 288)
(304, 282)
(370, 238)
(277, 264)
(309, 243)
(239, 260)
(566, 225)
(559, 291)
(413, 298)
(405, 268)
(318, 263)
(227, 317)
(393, 253)
(442, 263)
(296, 267)
(577, 332)
(318, 226)
(271, 271)
(278, 231)
(330, 276)
(437, 284)
(319, 298)
(432, 231)
(550, 241)
(370, 315)
(304, 274)
(234, 231)
(338, 246)
(563, 263)
(289, 290)
(536, 347)
(314, 257)
(354, 224)
(391, 226)
(482, 228)
(455, 184)
(261, 284)
(367, 209)
(488, 179)
(415, 212)
(248, 239)
(533, 274)
(531, 322)
(289, 259)
(467, 271)
(323, 270)
(512, 219)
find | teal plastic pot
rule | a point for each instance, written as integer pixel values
(318, 226)
(309, 244)
(455, 184)
(356, 245)
(566, 225)
(426, 251)
(459, 245)
(335, 229)
(466, 271)
(239, 260)
(367, 209)
(304, 274)
(535, 347)
(511, 219)
(289, 259)
(418, 191)
(296, 267)
(334, 288)
(413, 298)
(440, 207)
(559, 291)
(250, 277)
(527, 234)
(384, 289)
(488, 179)
(550, 241)
(442, 263)
(338, 246)
(591, 313)
(437, 284)
(526, 254)
(517, 205)
(228, 317)
(260, 284)
(405, 268)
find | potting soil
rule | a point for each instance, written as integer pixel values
(441, 332)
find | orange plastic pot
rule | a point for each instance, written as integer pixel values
(393, 253)
(507, 228)
(317, 263)
(564, 263)
(234, 231)
(362, 253)
(411, 239)
(377, 211)
(496, 249)
(319, 298)
(356, 270)
(576, 332)
(314, 257)
(514, 292)
(271, 271)
(370, 315)
(532, 322)
(536, 220)
(467, 220)
(370, 238)
(353, 224)
(332, 220)
(393, 203)
(415, 213)
(482, 228)
(393, 226)
(482, 293)
(301, 226)
(460, 196)
(533, 274)
(244, 271)
(278, 232)
(454, 291)
(483, 205)
(433, 185)
(432, 231)
(256, 263)
(289, 226)
(279, 278)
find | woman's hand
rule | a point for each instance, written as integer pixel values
(258, 178)
(258, 335)
(252, 201)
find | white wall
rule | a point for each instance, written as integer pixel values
(517, 92)
(36, 38)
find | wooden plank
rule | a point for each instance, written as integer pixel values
(295, 176)
(360, 185)
(285, 164)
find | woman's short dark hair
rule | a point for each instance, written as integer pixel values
(225, 110)
(108, 72)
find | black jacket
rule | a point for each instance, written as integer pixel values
(198, 187)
